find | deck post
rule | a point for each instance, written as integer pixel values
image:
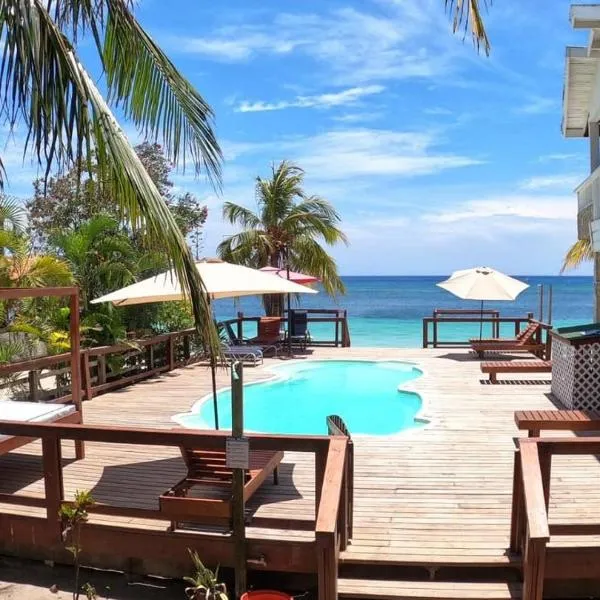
(186, 347)
(320, 462)
(53, 479)
(327, 572)
(516, 521)
(101, 361)
(34, 385)
(425, 333)
(86, 375)
(238, 504)
(170, 353)
(533, 569)
(545, 470)
(75, 363)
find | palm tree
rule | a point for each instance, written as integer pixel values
(45, 89)
(286, 231)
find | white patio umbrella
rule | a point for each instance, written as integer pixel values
(221, 280)
(483, 283)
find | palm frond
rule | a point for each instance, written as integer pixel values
(240, 215)
(467, 15)
(250, 248)
(315, 216)
(12, 214)
(43, 84)
(152, 92)
(308, 256)
(276, 196)
(581, 251)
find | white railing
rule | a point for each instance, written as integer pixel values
(588, 193)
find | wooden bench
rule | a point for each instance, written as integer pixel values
(493, 367)
(535, 421)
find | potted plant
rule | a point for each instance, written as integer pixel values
(204, 585)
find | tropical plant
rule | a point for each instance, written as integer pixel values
(286, 230)
(45, 88)
(74, 516)
(204, 584)
(100, 255)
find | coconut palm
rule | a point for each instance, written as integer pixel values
(287, 230)
(46, 91)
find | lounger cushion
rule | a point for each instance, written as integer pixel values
(34, 412)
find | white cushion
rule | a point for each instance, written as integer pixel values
(34, 412)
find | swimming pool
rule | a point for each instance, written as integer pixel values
(365, 394)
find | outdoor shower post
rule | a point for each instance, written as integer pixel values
(238, 461)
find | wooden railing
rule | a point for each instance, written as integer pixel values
(318, 556)
(530, 529)
(338, 318)
(104, 368)
(431, 326)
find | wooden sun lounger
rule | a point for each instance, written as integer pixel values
(207, 468)
(535, 421)
(493, 367)
(524, 342)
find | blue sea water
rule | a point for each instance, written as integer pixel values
(364, 393)
(388, 311)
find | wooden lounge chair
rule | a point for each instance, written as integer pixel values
(536, 421)
(526, 341)
(207, 471)
(493, 367)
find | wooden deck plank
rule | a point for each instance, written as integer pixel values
(436, 493)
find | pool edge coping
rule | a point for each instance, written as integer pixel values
(422, 417)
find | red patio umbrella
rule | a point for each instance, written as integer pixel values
(300, 278)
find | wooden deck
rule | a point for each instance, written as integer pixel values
(433, 497)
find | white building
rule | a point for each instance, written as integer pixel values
(581, 118)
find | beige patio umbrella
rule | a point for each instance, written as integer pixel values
(483, 283)
(221, 280)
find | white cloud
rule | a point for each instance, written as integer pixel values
(559, 156)
(375, 152)
(361, 152)
(345, 97)
(394, 40)
(437, 111)
(360, 117)
(533, 209)
(568, 181)
(538, 105)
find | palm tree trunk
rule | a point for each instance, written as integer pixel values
(273, 304)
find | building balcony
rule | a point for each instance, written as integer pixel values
(588, 207)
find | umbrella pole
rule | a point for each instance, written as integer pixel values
(213, 376)
(481, 322)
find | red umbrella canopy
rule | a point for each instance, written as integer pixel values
(300, 278)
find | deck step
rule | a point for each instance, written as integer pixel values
(369, 589)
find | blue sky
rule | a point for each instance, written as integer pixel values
(437, 158)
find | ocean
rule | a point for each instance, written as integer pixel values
(388, 311)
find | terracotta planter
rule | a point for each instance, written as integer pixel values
(265, 595)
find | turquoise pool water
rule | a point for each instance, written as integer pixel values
(364, 393)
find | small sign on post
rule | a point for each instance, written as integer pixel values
(237, 452)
